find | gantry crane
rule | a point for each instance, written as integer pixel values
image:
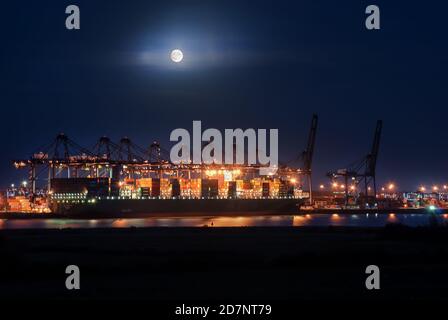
(307, 156)
(363, 171)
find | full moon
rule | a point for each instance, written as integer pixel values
(177, 55)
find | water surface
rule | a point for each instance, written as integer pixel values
(349, 220)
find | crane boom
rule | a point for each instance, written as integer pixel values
(372, 157)
(309, 151)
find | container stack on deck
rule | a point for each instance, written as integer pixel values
(216, 187)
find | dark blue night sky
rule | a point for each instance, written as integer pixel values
(249, 64)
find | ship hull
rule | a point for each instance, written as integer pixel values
(175, 207)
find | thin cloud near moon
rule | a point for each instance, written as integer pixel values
(159, 58)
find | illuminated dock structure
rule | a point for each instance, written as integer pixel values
(124, 170)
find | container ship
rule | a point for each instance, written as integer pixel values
(103, 197)
(125, 180)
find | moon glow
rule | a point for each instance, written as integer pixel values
(176, 55)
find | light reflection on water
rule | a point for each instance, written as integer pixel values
(348, 220)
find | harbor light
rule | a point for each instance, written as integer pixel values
(391, 186)
(422, 189)
(392, 216)
(236, 172)
(24, 183)
(322, 186)
(435, 188)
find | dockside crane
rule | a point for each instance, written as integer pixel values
(363, 171)
(370, 173)
(55, 156)
(103, 148)
(307, 156)
(64, 157)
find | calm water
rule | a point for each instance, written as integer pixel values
(353, 220)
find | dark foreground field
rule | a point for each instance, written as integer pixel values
(237, 264)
